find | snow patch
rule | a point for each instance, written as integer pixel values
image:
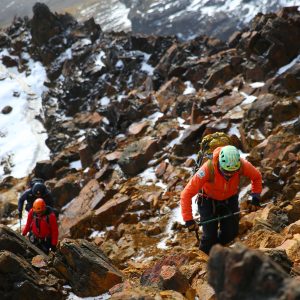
(234, 130)
(23, 93)
(98, 61)
(288, 66)
(76, 165)
(257, 84)
(105, 296)
(189, 88)
(104, 101)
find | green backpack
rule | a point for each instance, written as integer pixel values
(207, 146)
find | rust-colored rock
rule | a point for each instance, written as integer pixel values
(86, 268)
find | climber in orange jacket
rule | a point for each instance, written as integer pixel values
(42, 226)
(217, 181)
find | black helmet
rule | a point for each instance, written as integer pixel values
(39, 189)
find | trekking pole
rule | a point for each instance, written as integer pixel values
(197, 234)
(229, 215)
(20, 226)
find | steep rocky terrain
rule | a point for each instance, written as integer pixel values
(124, 115)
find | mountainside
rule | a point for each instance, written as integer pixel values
(185, 18)
(190, 18)
(124, 114)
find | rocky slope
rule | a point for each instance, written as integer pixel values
(131, 110)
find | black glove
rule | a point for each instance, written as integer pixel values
(255, 200)
(53, 248)
(20, 215)
(191, 225)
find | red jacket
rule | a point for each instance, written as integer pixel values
(220, 188)
(41, 228)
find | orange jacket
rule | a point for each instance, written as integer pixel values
(220, 188)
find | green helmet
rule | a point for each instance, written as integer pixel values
(229, 159)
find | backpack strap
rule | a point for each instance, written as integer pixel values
(35, 219)
(241, 170)
(47, 213)
(211, 170)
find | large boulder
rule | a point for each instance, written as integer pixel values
(240, 273)
(65, 190)
(136, 156)
(87, 269)
(14, 242)
(92, 196)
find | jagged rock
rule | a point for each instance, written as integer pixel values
(13, 242)
(65, 190)
(280, 257)
(136, 156)
(292, 228)
(88, 120)
(9, 62)
(91, 196)
(270, 37)
(147, 293)
(189, 142)
(113, 156)
(39, 261)
(219, 75)
(44, 169)
(89, 28)
(285, 110)
(227, 103)
(172, 279)
(166, 95)
(86, 156)
(259, 111)
(292, 247)
(288, 82)
(151, 276)
(6, 110)
(121, 250)
(153, 230)
(44, 24)
(4, 39)
(7, 208)
(137, 128)
(293, 210)
(95, 137)
(19, 280)
(263, 238)
(110, 212)
(87, 269)
(161, 169)
(244, 274)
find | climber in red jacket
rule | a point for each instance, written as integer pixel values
(42, 226)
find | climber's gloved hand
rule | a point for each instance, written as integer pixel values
(191, 225)
(255, 201)
(53, 249)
